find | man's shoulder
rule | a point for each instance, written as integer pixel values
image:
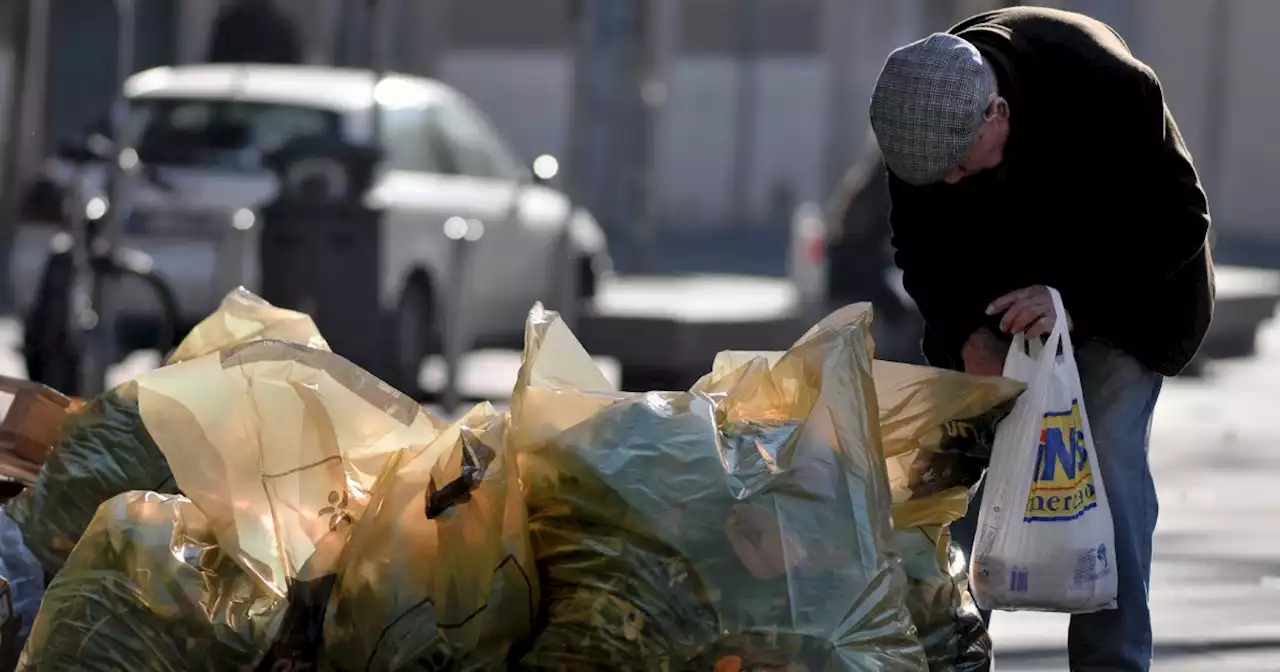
(1042, 28)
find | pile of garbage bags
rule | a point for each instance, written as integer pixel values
(260, 503)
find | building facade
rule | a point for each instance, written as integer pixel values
(763, 102)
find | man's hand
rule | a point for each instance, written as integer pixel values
(1027, 311)
(984, 354)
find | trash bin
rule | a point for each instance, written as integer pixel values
(320, 246)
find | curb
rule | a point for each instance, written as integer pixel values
(1163, 650)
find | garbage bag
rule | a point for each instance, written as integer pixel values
(438, 573)
(103, 448)
(937, 427)
(243, 317)
(947, 620)
(149, 588)
(711, 530)
(274, 446)
(22, 570)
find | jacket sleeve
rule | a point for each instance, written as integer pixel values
(1159, 220)
(1169, 193)
(933, 275)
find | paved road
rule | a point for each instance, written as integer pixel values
(1216, 584)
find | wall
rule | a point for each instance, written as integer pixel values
(815, 74)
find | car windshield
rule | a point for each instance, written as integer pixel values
(230, 135)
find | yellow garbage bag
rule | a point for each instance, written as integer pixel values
(324, 514)
(438, 573)
(104, 450)
(745, 526)
(243, 317)
(937, 428)
(149, 589)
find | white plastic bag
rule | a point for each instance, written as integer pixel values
(1045, 535)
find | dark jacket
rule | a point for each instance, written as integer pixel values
(1096, 196)
(858, 247)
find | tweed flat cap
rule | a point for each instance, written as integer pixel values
(927, 104)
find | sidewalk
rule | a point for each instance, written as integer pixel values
(1215, 593)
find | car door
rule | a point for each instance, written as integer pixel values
(510, 260)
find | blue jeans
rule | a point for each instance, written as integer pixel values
(1119, 396)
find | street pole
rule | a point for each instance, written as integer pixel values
(19, 17)
(378, 38)
(463, 235)
(650, 96)
(1217, 98)
(29, 40)
(564, 277)
(100, 319)
(745, 114)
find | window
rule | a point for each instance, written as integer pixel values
(473, 142)
(233, 135)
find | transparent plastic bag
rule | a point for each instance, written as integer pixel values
(712, 528)
(937, 429)
(104, 449)
(438, 573)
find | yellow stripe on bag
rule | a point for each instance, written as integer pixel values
(1062, 487)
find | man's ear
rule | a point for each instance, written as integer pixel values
(1002, 108)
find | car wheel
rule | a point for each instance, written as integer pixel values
(415, 335)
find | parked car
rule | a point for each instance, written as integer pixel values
(201, 133)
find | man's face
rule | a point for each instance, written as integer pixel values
(987, 150)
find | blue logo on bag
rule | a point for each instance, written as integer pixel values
(1019, 580)
(1062, 486)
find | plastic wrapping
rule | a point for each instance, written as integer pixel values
(134, 594)
(22, 570)
(438, 573)
(711, 530)
(104, 450)
(272, 443)
(269, 559)
(937, 429)
(243, 317)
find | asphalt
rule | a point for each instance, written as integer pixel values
(1215, 591)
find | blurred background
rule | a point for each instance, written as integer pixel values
(724, 113)
(677, 177)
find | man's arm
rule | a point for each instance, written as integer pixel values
(932, 271)
(1168, 194)
(1159, 220)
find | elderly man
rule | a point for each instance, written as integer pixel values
(1027, 148)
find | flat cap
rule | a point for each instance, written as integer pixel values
(927, 105)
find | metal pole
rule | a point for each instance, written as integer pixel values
(1217, 99)
(462, 235)
(29, 45)
(564, 276)
(745, 117)
(651, 95)
(99, 350)
(378, 39)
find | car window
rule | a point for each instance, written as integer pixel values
(472, 141)
(233, 135)
(414, 141)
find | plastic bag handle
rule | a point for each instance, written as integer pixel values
(458, 491)
(1044, 354)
